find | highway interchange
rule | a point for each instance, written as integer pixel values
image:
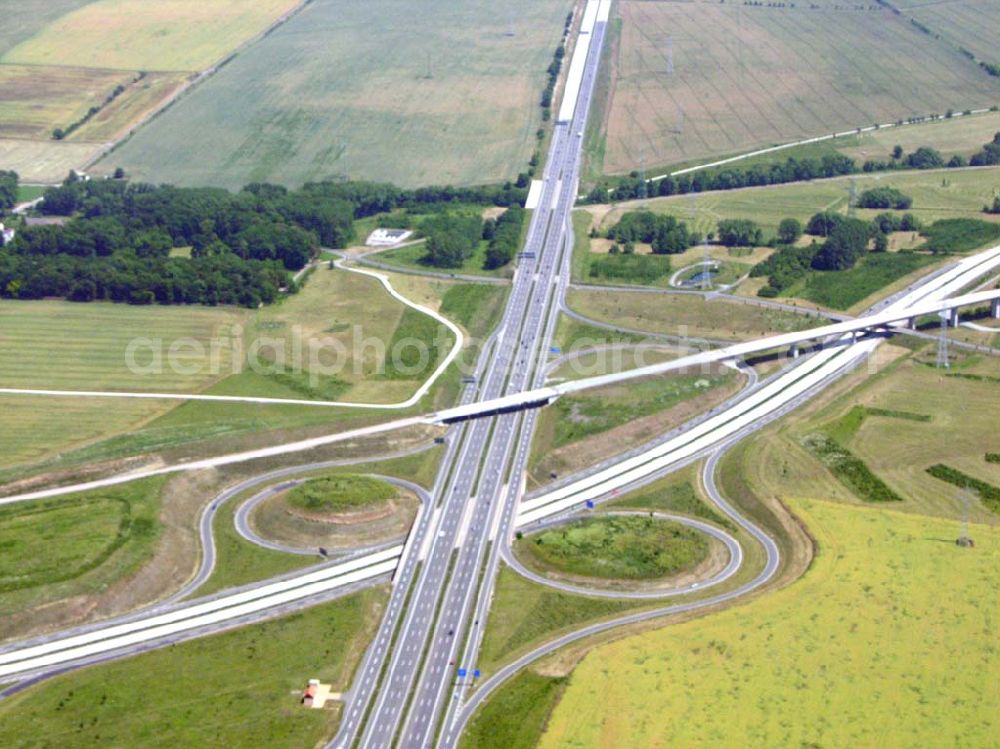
(405, 692)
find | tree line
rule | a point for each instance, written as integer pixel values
(791, 169)
(8, 190)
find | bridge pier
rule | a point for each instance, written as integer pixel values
(953, 317)
(995, 309)
(912, 323)
(794, 351)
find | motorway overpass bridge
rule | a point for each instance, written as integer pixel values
(834, 334)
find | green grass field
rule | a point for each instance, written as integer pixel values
(748, 77)
(91, 343)
(684, 315)
(582, 430)
(886, 641)
(389, 90)
(959, 430)
(412, 257)
(584, 415)
(238, 689)
(675, 493)
(955, 193)
(61, 345)
(529, 696)
(341, 493)
(476, 307)
(618, 548)
(524, 612)
(75, 546)
(843, 289)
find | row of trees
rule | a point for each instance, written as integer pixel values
(791, 170)
(504, 236)
(8, 190)
(125, 277)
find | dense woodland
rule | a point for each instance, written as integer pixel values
(119, 241)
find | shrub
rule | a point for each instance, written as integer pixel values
(959, 235)
(884, 197)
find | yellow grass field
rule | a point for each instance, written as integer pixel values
(141, 98)
(189, 35)
(44, 160)
(959, 135)
(34, 100)
(889, 640)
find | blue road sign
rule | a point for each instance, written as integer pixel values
(590, 504)
(475, 674)
(462, 672)
(554, 350)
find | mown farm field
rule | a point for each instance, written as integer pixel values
(747, 77)
(971, 24)
(348, 320)
(886, 641)
(389, 90)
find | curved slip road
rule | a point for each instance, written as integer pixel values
(453, 732)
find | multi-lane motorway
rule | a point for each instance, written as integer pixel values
(406, 692)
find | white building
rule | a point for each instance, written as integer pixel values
(387, 237)
(6, 235)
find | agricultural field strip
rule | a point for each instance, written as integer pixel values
(408, 403)
(793, 144)
(198, 615)
(778, 392)
(731, 568)
(790, 27)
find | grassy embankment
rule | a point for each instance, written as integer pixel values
(618, 548)
(78, 545)
(236, 689)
